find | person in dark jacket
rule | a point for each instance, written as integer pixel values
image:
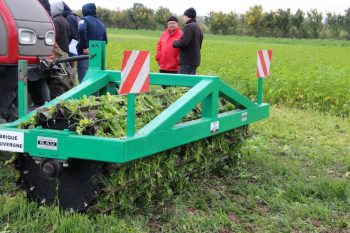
(73, 21)
(190, 43)
(90, 28)
(61, 49)
(46, 5)
(61, 26)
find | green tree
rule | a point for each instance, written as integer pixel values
(105, 15)
(314, 23)
(140, 17)
(283, 22)
(298, 24)
(216, 22)
(221, 23)
(144, 16)
(347, 22)
(334, 23)
(119, 19)
(232, 21)
(254, 20)
(269, 24)
(161, 16)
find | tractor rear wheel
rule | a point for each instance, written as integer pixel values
(8, 93)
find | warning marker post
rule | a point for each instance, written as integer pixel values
(262, 70)
(131, 115)
(134, 79)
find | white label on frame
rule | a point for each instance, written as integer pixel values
(11, 141)
(47, 143)
(244, 116)
(214, 126)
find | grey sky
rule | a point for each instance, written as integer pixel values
(204, 7)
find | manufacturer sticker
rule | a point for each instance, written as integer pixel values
(47, 143)
(244, 116)
(11, 141)
(214, 127)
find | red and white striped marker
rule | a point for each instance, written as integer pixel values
(135, 72)
(263, 64)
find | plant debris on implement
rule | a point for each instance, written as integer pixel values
(93, 148)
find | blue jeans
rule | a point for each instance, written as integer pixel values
(82, 66)
(187, 69)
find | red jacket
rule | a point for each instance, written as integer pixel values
(167, 56)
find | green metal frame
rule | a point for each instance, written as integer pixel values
(162, 133)
(22, 88)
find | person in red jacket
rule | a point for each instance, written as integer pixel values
(167, 56)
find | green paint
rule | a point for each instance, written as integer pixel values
(260, 90)
(22, 88)
(131, 115)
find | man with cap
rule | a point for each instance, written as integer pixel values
(190, 43)
(167, 56)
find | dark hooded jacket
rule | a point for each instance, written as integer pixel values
(73, 21)
(90, 28)
(190, 44)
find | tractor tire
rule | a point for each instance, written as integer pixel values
(8, 94)
(12, 112)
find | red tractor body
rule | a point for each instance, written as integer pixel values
(27, 32)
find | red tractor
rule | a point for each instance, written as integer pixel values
(27, 33)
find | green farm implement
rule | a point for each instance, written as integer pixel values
(60, 158)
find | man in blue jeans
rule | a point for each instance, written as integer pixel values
(190, 44)
(90, 28)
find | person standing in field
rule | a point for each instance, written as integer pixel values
(61, 47)
(167, 56)
(190, 43)
(61, 26)
(73, 22)
(90, 28)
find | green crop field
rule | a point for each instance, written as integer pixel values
(307, 74)
(295, 170)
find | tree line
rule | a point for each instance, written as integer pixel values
(254, 22)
